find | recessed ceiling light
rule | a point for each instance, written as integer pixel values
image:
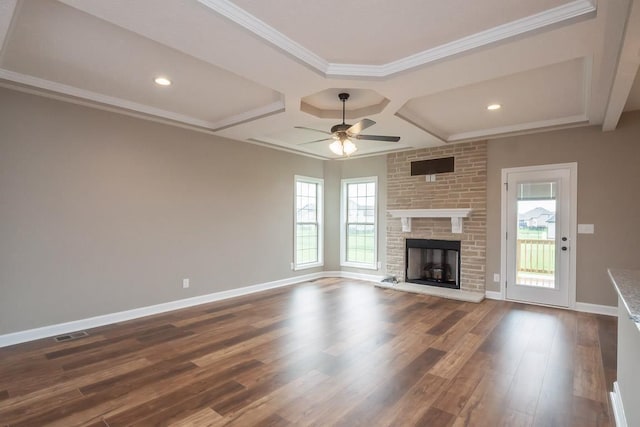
(493, 107)
(162, 81)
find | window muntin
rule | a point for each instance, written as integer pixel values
(359, 228)
(308, 226)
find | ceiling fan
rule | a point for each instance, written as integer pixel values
(343, 133)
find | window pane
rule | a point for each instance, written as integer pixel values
(306, 202)
(307, 243)
(360, 243)
(360, 222)
(536, 235)
(371, 189)
(307, 230)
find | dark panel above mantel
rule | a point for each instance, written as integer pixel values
(432, 166)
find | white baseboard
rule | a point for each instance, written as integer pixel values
(616, 404)
(584, 307)
(93, 322)
(493, 295)
(358, 276)
(607, 310)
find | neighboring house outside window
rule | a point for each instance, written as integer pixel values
(359, 223)
(308, 233)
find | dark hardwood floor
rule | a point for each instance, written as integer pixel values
(331, 352)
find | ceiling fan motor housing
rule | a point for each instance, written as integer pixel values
(342, 127)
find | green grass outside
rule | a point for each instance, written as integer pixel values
(362, 248)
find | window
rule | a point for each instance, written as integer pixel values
(359, 231)
(308, 229)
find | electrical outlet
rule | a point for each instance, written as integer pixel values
(496, 277)
(185, 283)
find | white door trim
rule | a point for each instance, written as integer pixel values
(573, 218)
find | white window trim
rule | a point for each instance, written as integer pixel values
(343, 224)
(320, 217)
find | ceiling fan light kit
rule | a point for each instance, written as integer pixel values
(349, 147)
(343, 133)
(343, 148)
(336, 148)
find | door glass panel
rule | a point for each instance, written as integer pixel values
(536, 234)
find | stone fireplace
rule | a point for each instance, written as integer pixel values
(463, 189)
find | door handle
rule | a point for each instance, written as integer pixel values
(564, 248)
(564, 239)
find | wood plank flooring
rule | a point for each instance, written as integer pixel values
(330, 352)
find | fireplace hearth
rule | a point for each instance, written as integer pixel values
(433, 262)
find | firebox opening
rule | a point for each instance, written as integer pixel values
(433, 262)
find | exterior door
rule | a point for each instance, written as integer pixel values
(539, 234)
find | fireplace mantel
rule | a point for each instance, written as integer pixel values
(456, 216)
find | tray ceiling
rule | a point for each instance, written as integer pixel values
(366, 32)
(251, 70)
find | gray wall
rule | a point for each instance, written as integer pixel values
(608, 180)
(101, 212)
(335, 171)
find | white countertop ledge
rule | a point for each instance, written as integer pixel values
(627, 284)
(456, 215)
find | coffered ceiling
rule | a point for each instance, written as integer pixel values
(256, 71)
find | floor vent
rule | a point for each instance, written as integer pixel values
(71, 336)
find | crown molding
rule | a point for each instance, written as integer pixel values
(337, 114)
(411, 118)
(502, 32)
(99, 98)
(542, 125)
(278, 147)
(266, 32)
(250, 115)
(568, 11)
(71, 93)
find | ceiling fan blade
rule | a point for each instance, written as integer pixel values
(378, 138)
(317, 140)
(315, 130)
(360, 126)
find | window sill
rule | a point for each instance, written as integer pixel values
(308, 266)
(357, 265)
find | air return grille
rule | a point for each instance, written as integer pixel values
(71, 336)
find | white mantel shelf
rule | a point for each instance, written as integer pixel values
(456, 216)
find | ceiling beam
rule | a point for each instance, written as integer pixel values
(7, 10)
(626, 70)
